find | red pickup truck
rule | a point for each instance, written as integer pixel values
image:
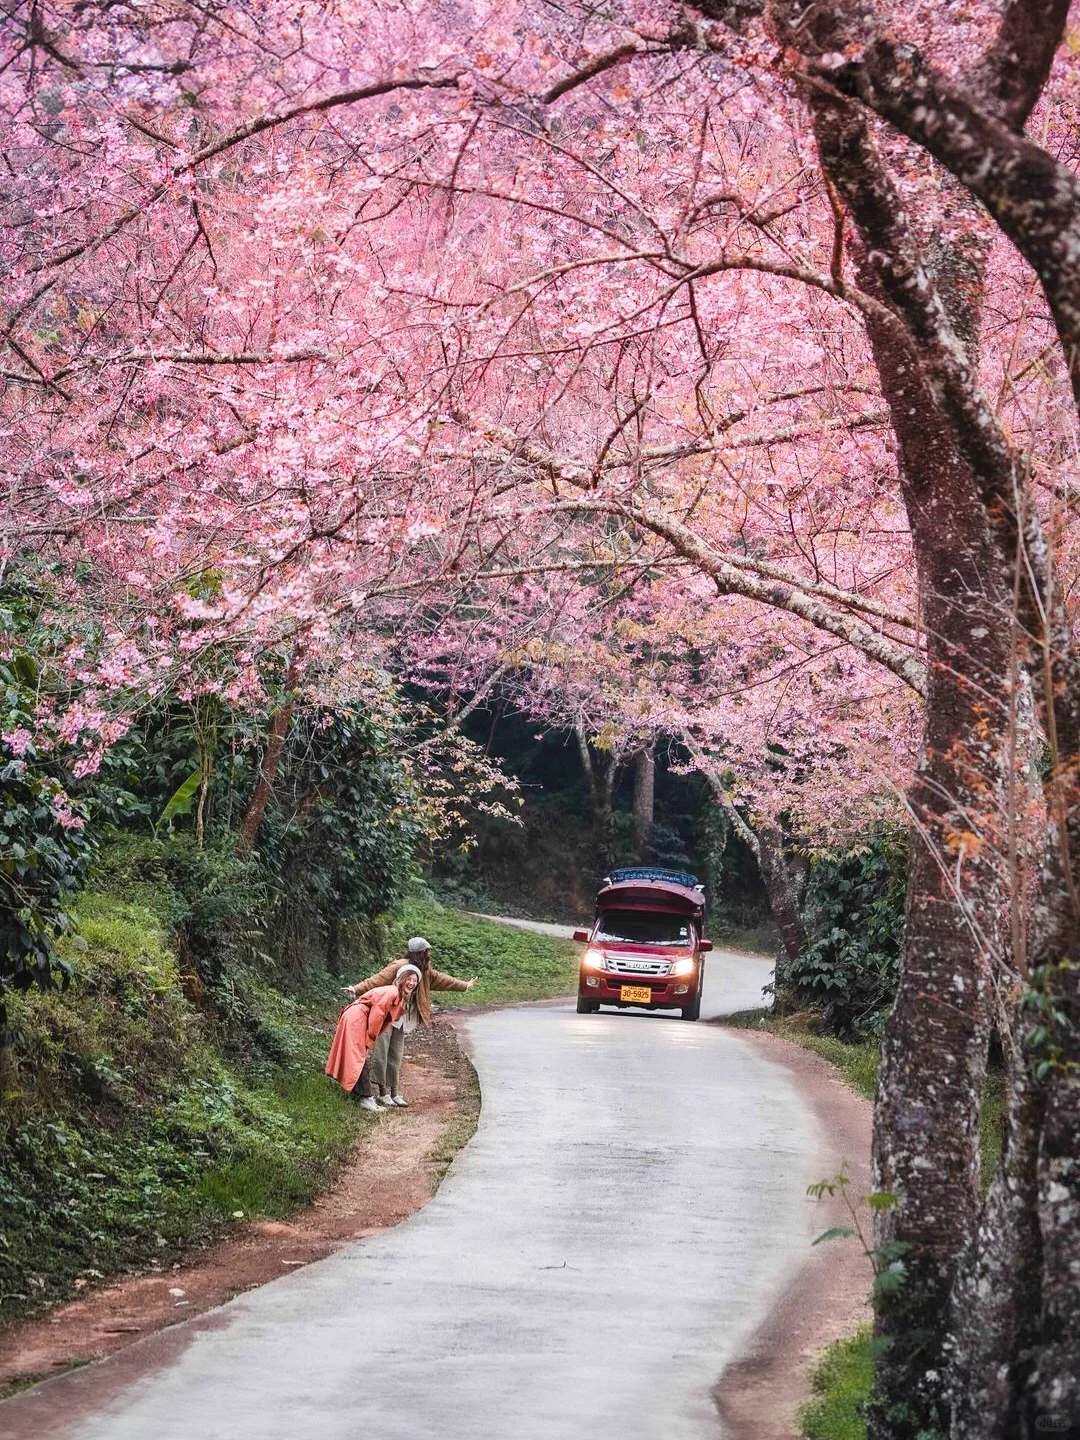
(646, 949)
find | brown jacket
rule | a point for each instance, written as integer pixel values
(430, 979)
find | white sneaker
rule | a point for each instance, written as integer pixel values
(369, 1103)
(385, 1102)
(398, 1100)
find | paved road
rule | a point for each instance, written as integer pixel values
(631, 1202)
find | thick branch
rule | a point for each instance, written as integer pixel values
(587, 72)
(972, 132)
(562, 469)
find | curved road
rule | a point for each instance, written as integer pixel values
(630, 1205)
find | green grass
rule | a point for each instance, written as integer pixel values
(841, 1384)
(271, 1179)
(509, 964)
(127, 1132)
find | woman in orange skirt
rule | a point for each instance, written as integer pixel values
(360, 1025)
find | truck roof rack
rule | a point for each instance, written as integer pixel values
(647, 872)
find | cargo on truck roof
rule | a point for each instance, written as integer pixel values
(649, 872)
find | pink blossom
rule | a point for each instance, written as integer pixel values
(18, 740)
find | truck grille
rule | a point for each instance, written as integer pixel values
(637, 965)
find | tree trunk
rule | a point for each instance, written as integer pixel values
(1053, 1394)
(271, 760)
(926, 1122)
(588, 769)
(333, 944)
(785, 874)
(644, 797)
(605, 796)
(996, 1298)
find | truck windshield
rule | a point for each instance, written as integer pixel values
(643, 927)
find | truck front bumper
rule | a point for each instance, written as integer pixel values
(670, 993)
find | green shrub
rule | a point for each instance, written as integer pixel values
(340, 834)
(854, 914)
(44, 845)
(204, 895)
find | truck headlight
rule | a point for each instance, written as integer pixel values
(593, 959)
(684, 965)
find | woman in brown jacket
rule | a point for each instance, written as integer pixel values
(385, 1058)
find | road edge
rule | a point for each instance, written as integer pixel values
(760, 1393)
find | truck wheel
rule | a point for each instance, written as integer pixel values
(693, 1012)
(587, 1007)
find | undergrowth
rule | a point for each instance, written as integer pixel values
(130, 1127)
(143, 1111)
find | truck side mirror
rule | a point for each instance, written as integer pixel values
(581, 936)
(704, 946)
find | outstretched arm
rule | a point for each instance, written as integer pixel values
(439, 981)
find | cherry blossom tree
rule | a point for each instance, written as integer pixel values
(641, 351)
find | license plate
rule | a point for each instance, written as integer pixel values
(635, 994)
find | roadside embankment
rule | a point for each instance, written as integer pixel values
(137, 1120)
(818, 1342)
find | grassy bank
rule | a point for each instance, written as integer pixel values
(841, 1384)
(139, 1117)
(857, 1063)
(133, 1124)
(509, 964)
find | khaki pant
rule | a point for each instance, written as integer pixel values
(384, 1062)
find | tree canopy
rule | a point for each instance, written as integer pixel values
(703, 370)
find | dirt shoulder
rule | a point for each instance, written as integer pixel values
(760, 1394)
(395, 1170)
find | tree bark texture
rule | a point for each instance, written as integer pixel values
(644, 797)
(926, 1142)
(587, 767)
(785, 875)
(271, 761)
